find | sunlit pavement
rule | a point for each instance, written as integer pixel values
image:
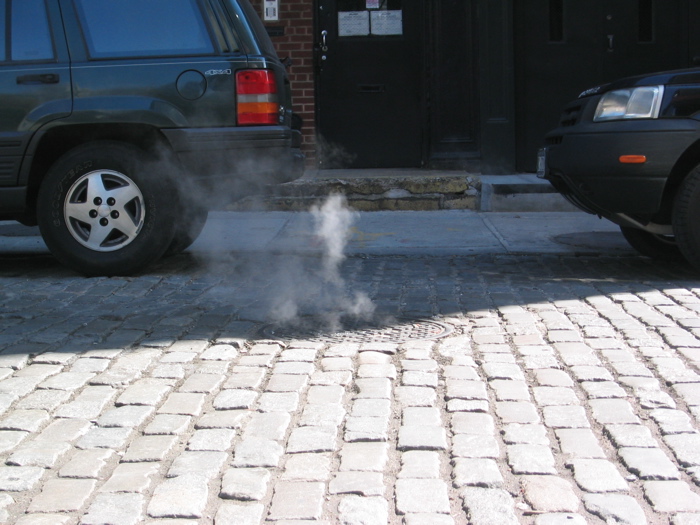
(450, 368)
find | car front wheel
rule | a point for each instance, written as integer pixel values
(686, 217)
(659, 247)
(104, 208)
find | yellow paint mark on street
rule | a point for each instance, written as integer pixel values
(364, 237)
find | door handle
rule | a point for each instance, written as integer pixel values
(324, 45)
(45, 78)
(611, 42)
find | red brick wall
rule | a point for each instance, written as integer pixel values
(297, 19)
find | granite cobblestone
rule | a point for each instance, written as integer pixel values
(562, 395)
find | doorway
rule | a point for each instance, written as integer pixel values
(453, 134)
(396, 83)
(369, 89)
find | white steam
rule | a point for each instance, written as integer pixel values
(315, 290)
(332, 223)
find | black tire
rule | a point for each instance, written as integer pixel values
(686, 218)
(189, 225)
(659, 247)
(105, 208)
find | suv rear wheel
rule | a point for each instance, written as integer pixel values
(188, 227)
(105, 208)
(686, 217)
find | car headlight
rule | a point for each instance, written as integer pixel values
(639, 102)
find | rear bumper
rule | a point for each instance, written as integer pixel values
(257, 156)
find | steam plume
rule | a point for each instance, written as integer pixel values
(317, 289)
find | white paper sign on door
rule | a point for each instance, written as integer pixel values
(353, 23)
(387, 22)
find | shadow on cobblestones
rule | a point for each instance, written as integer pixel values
(244, 287)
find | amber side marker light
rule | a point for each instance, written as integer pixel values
(633, 159)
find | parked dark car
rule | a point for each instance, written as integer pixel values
(629, 151)
(122, 123)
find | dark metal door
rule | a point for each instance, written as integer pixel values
(368, 64)
(566, 46)
(451, 70)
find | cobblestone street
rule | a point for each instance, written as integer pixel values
(487, 389)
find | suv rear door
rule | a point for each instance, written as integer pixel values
(164, 63)
(34, 77)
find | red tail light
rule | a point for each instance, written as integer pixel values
(258, 103)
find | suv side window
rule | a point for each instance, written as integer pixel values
(143, 28)
(30, 36)
(3, 31)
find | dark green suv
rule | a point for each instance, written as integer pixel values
(122, 123)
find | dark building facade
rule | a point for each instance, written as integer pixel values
(463, 84)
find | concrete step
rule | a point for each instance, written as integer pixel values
(413, 190)
(520, 193)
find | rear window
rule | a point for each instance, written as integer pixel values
(143, 28)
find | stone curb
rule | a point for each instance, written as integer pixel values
(413, 191)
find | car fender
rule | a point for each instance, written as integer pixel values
(127, 109)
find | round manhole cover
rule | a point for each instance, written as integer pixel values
(396, 331)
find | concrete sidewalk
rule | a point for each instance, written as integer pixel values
(445, 232)
(439, 233)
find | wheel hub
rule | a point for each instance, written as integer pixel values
(104, 210)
